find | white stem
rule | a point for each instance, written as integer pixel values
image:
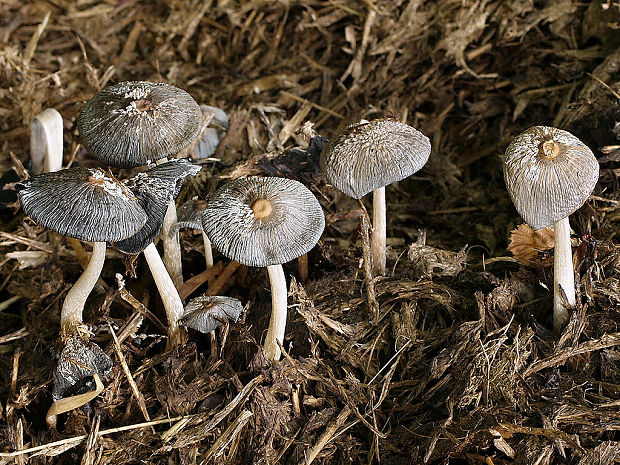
(277, 322)
(46, 142)
(563, 274)
(208, 250)
(71, 314)
(377, 243)
(172, 247)
(169, 295)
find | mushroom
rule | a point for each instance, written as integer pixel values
(86, 204)
(46, 141)
(155, 189)
(549, 174)
(265, 222)
(134, 123)
(369, 155)
(207, 313)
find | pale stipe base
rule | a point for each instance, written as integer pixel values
(377, 243)
(169, 296)
(71, 314)
(277, 322)
(563, 274)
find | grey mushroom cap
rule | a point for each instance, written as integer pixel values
(155, 189)
(372, 154)
(207, 313)
(549, 174)
(83, 203)
(79, 360)
(136, 122)
(289, 226)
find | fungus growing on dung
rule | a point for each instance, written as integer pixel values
(134, 123)
(549, 174)
(207, 313)
(367, 156)
(155, 189)
(265, 222)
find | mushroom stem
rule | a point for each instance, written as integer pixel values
(169, 296)
(563, 274)
(172, 247)
(377, 243)
(208, 250)
(277, 322)
(46, 142)
(71, 314)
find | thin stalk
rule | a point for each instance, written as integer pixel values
(377, 243)
(208, 250)
(277, 323)
(563, 274)
(172, 247)
(169, 296)
(73, 306)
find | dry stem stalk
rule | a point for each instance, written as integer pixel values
(563, 274)
(277, 322)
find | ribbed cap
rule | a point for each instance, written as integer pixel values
(136, 122)
(83, 203)
(206, 313)
(549, 174)
(155, 189)
(372, 154)
(263, 221)
(189, 215)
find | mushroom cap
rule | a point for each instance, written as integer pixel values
(289, 226)
(136, 122)
(206, 313)
(549, 174)
(155, 189)
(83, 203)
(372, 154)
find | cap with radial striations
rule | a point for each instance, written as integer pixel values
(155, 189)
(83, 203)
(136, 122)
(263, 221)
(372, 154)
(549, 174)
(207, 313)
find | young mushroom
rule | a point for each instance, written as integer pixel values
(265, 222)
(207, 313)
(46, 141)
(155, 189)
(135, 123)
(367, 156)
(86, 204)
(549, 174)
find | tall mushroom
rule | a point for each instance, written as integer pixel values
(155, 189)
(135, 123)
(549, 174)
(265, 222)
(369, 155)
(86, 204)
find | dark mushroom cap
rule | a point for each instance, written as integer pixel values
(86, 204)
(136, 122)
(372, 154)
(263, 221)
(155, 189)
(549, 174)
(206, 313)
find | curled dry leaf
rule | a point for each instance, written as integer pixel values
(532, 248)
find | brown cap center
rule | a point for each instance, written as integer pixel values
(549, 149)
(262, 208)
(143, 104)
